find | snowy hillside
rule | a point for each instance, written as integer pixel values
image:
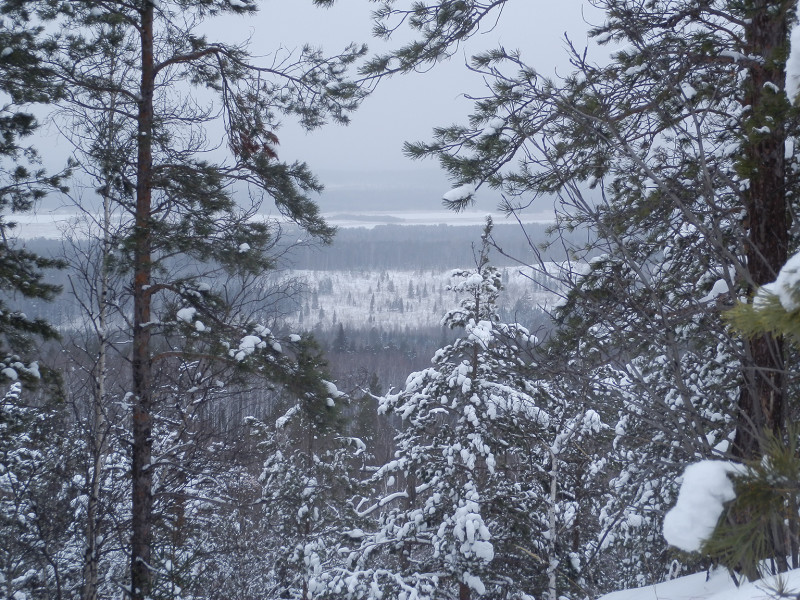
(395, 299)
(717, 585)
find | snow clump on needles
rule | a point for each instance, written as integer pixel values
(705, 489)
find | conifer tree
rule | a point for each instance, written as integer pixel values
(462, 496)
(177, 205)
(674, 156)
(310, 472)
(24, 80)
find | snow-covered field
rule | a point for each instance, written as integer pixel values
(467, 217)
(396, 299)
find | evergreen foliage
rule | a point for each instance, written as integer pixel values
(765, 509)
(24, 80)
(462, 503)
(136, 77)
(672, 154)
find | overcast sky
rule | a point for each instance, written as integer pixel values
(365, 158)
(362, 164)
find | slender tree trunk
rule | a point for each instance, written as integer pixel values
(99, 441)
(552, 560)
(90, 580)
(142, 508)
(463, 591)
(761, 401)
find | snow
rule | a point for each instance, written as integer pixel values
(793, 62)
(705, 489)
(281, 422)
(332, 389)
(688, 91)
(355, 534)
(186, 314)
(475, 583)
(716, 585)
(247, 346)
(5, 52)
(739, 57)
(788, 284)
(460, 194)
(244, 247)
(494, 127)
(719, 288)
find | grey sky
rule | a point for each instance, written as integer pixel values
(365, 158)
(362, 165)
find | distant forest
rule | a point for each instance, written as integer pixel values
(362, 344)
(418, 247)
(397, 247)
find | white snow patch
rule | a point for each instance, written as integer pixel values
(786, 287)
(793, 62)
(186, 314)
(719, 288)
(705, 489)
(475, 583)
(332, 389)
(688, 91)
(463, 193)
(716, 585)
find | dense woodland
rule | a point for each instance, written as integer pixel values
(187, 438)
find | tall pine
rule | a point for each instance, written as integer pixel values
(178, 206)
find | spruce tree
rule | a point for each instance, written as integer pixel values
(24, 80)
(462, 497)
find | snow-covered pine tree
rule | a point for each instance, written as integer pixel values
(38, 558)
(674, 155)
(310, 472)
(178, 206)
(464, 498)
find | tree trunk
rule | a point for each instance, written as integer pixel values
(761, 401)
(463, 591)
(552, 559)
(98, 434)
(142, 507)
(99, 439)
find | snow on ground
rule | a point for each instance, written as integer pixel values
(467, 217)
(718, 586)
(393, 299)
